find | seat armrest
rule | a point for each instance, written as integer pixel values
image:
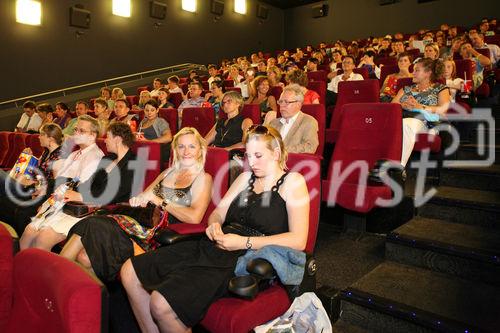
(169, 237)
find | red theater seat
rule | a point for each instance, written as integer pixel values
(18, 144)
(170, 115)
(5, 143)
(251, 111)
(386, 61)
(33, 141)
(320, 88)
(6, 276)
(176, 99)
(365, 91)
(318, 112)
(237, 89)
(53, 294)
(201, 118)
(276, 92)
(231, 315)
(318, 75)
(368, 132)
(133, 100)
(151, 152)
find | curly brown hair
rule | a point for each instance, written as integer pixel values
(436, 67)
(299, 77)
(123, 131)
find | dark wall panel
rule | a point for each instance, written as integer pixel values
(362, 18)
(48, 57)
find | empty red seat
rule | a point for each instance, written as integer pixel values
(318, 75)
(170, 115)
(368, 132)
(5, 138)
(276, 92)
(387, 61)
(465, 68)
(33, 141)
(318, 112)
(53, 294)
(320, 88)
(232, 314)
(364, 91)
(176, 99)
(150, 152)
(201, 118)
(18, 144)
(228, 83)
(6, 276)
(251, 111)
(133, 100)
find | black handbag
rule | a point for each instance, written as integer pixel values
(78, 209)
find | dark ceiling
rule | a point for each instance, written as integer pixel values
(284, 4)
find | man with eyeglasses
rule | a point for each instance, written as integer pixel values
(298, 130)
(348, 66)
(194, 101)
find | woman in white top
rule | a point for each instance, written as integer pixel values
(452, 81)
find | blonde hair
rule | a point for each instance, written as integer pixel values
(453, 65)
(201, 141)
(272, 138)
(119, 93)
(276, 71)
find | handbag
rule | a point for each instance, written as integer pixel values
(78, 209)
(149, 216)
(242, 230)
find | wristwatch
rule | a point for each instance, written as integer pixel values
(164, 204)
(248, 245)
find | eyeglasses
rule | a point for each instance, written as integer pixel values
(258, 129)
(81, 131)
(284, 102)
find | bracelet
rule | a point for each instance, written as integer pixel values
(248, 245)
(164, 204)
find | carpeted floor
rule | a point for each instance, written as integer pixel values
(341, 260)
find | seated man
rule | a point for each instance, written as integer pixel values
(348, 75)
(298, 130)
(477, 40)
(173, 85)
(122, 115)
(81, 163)
(213, 72)
(195, 100)
(157, 84)
(30, 120)
(81, 109)
(312, 65)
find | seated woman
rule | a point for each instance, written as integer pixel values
(163, 102)
(116, 94)
(300, 77)
(171, 288)
(367, 61)
(44, 110)
(431, 51)
(215, 96)
(102, 114)
(427, 95)
(452, 81)
(183, 192)
(274, 77)
(259, 95)
(144, 97)
(153, 127)
(230, 133)
(113, 171)
(390, 85)
(62, 116)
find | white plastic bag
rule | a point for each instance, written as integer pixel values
(305, 315)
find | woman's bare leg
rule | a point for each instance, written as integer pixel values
(47, 238)
(165, 316)
(72, 247)
(138, 297)
(28, 237)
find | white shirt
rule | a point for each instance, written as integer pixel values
(81, 163)
(287, 124)
(31, 124)
(175, 90)
(454, 86)
(334, 83)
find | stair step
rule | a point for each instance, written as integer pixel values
(472, 151)
(400, 298)
(343, 327)
(478, 178)
(462, 205)
(463, 250)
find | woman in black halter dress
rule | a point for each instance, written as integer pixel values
(100, 244)
(171, 288)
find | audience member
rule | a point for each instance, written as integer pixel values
(81, 109)
(122, 115)
(30, 120)
(431, 51)
(183, 192)
(260, 95)
(283, 223)
(368, 63)
(298, 130)
(274, 75)
(230, 133)
(102, 114)
(157, 84)
(114, 168)
(194, 100)
(153, 127)
(213, 72)
(452, 81)
(144, 97)
(389, 87)
(300, 77)
(62, 114)
(480, 61)
(173, 85)
(163, 96)
(348, 75)
(44, 111)
(478, 43)
(214, 97)
(425, 96)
